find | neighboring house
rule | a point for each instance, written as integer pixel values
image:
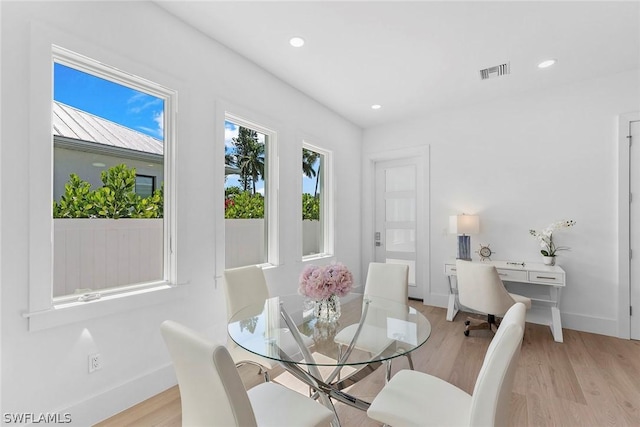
(86, 145)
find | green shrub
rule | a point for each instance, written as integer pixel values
(115, 199)
(310, 207)
(77, 200)
(150, 207)
(244, 206)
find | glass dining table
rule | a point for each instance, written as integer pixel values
(369, 332)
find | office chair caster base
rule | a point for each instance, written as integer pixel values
(477, 324)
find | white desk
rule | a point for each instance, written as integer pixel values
(545, 296)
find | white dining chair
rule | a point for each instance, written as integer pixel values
(247, 287)
(212, 393)
(389, 282)
(243, 287)
(417, 399)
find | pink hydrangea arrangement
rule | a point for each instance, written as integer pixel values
(320, 283)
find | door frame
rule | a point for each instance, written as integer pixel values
(624, 206)
(423, 269)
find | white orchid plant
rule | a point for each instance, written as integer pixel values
(545, 237)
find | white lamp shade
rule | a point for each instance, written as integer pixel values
(464, 224)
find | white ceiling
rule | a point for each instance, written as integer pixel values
(418, 57)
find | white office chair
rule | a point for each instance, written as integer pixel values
(417, 399)
(212, 393)
(481, 289)
(388, 281)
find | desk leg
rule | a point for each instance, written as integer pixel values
(556, 325)
(556, 322)
(452, 310)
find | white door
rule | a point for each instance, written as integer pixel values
(395, 239)
(634, 228)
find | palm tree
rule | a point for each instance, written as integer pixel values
(249, 157)
(309, 158)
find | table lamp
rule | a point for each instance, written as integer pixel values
(462, 225)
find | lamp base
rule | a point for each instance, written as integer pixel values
(464, 248)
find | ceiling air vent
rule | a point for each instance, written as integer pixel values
(496, 71)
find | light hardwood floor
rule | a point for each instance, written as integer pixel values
(589, 380)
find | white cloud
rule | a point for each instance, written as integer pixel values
(230, 131)
(142, 101)
(159, 119)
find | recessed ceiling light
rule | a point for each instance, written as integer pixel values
(547, 63)
(296, 41)
(376, 106)
(98, 164)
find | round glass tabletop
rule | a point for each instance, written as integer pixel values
(291, 329)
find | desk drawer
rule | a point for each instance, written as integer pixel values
(512, 275)
(545, 277)
(450, 269)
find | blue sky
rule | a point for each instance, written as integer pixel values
(117, 103)
(131, 108)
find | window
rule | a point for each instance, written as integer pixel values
(317, 220)
(250, 205)
(112, 224)
(145, 185)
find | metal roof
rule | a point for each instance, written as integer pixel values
(69, 122)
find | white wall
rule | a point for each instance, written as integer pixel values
(523, 163)
(46, 371)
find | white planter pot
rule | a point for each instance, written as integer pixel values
(549, 260)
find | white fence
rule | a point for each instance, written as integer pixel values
(244, 242)
(103, 253)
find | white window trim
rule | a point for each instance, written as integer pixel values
(624, 279)
(43, 312)
(272, 241)
(327, 207)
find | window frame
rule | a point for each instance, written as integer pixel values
(271, 181)
(44, 311)
(327, 204)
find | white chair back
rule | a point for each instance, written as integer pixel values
(389, 281)
(211, 390)
(491, 397)
(480, 288)
(244, 286)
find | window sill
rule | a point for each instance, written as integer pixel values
(315, 257)
(73, 312)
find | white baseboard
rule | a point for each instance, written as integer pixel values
(577, 322)
(101, 406)
(437, 300)
(594, 325)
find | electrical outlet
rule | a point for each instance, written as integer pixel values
(95, 362)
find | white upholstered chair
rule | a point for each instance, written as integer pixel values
(388, 281)
(417, 399)
(212, 393)
(243, 287)
(246, 287)
(481, 289)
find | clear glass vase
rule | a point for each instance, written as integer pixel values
(327, 310)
